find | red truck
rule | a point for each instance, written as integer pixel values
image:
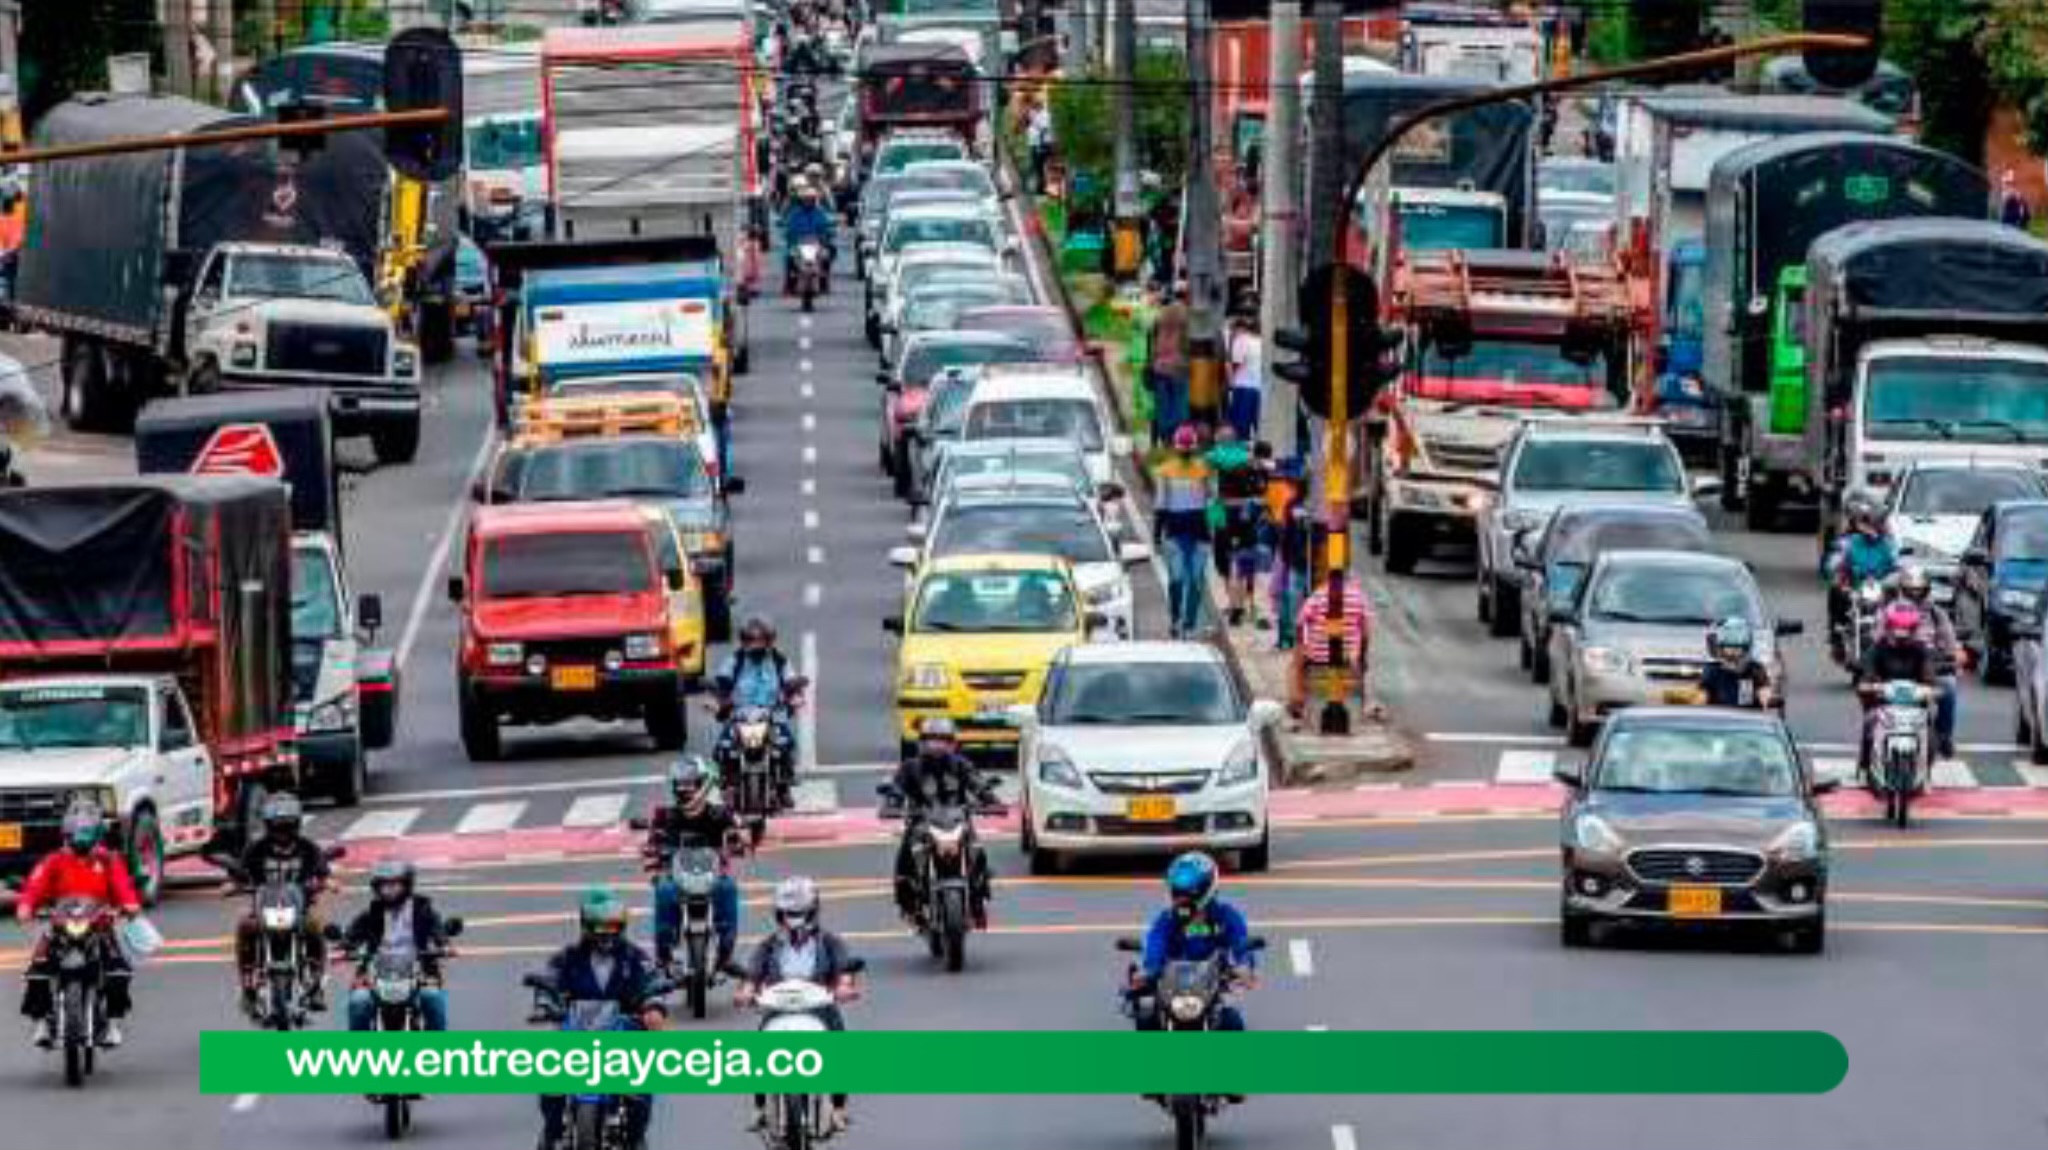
(145, 663)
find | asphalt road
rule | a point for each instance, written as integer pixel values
(1931, 979)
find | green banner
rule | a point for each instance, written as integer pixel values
(1025, 1062)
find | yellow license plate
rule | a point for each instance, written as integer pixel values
(1151, 809)
(10, 836)
(1683, 696)
(1694, 901)
(573, 678)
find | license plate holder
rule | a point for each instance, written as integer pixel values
(10, 836)
(1151, 808)
(1694, 901)
(573, 678)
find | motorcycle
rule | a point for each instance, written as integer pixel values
(756, 756)
(394, 980)
(797, 1121)
(1858, 630)
(1188, 996)
(1901, 746)
(77, 941)
(591, 1121)
(695, 871)
(286, 976)
(809, 272)
(945, 854)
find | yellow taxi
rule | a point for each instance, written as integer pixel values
(685, 603)
(977, 635)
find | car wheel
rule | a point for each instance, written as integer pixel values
(1574, 930)
(1403, 548)
(2037, 746)
(1997, 665)
(1375, 529)
(1525, 655)
(1044, 862)
(1539, 663)
(480, 739)
(1485, 598)
(1811, 938)
(1556, 716)
(1507, 609)
(1577, 731)
(1255, 860)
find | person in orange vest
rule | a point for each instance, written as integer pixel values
(13, 230)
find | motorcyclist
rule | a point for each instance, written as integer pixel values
(1866, 552)
(938, 773)
(602, 965)
(1913, 585)
(757, 674)
(1900, 654)
(1194, 925)
(84, 867)
(283, 854)
(807, 219)
(1736, 677)
(399, 921)
(800, 948)
(694, 816)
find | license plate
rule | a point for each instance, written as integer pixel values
(573, 678)
(1151, 808)
(1682, 696)
(10, 836)
(1694, 901)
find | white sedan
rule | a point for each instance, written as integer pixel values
(1143, 747)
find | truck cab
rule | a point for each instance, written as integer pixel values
(343, 694)
(280, 315)
(129, 743)
(1944, 397)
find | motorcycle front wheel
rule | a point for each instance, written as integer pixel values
(699, 988)
(397, 1117)
(796, 1122)
(77, 1025)
(283, 990)
(1189, 1125)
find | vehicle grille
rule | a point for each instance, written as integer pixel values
(1174, 783)
(1681, 670)
(335, 349)
(1720, 868)
(1449, 455)
(1118, 825)
(574, 652)
(32, 806)
(993, 680)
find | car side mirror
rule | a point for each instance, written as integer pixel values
(1570, 774)
(1786, 628)
(480, 491)
(1976, 557)
(904, 557)
(1522, 550)
(370, 612)
(1706, 487)
(455, 589)
(885, 378)
(734, 485)
(892, 624)
(1096, 621)
(1109, 492)
(452, 926)
(1265, 714)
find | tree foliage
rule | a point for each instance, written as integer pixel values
(1082, 122)
(2015, 45)
(65, 51)
(1938, 42)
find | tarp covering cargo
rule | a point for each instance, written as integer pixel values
(918, 81)
(96, 255)
(171, 434)
(1489, 147)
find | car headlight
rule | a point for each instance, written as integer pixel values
(504, 654)
(1473, 501)
(101, 797)
(1799, 842)
(1240, 766)
(926, 677)
(1055, 769)
(405, 361)
(1515, 519)
(2018, 598)
(243, 355)
(333, 716)
(642, 647)
(1591, 833)
(1604, 660)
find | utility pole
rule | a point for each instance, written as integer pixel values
(1123, 49)
(1326, 148)
(1280, 235)
(1202, 218)
(1078, 28)
(177, 46)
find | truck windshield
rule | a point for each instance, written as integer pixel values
(296, 277)
(1512, 364)
(1965, 491)
(1438, 227)
(653, 468)
(40, 718)
(316, 608)
(569, 563)
(504, 144)
(1974, 400)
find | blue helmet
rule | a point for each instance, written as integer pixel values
(1191, 882)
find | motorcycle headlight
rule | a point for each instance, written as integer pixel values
(1604, 660)
(394, 991)
(926, 677)
(504, 654)
(1590, 833)
(643, 647)
(1055, 769)
(1799, 842)
(1240, 766)
(77, 927)
(947, 844)
(405, 361)
(279, 918)
(1871, 594)
(1187, 1007)
(2018, 598)
(243, 355)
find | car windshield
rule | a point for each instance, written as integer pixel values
(912, 277)
(1511, 365)
(1073, 420)
(1664, 593)
(927, 358)
(653, 468)
(503, 144)
(1067, 530)
(1975, 400)
(1064, 464)
(970, 178)
(981, 602)
(38, 718)
(296, 277)
(1143, 694)
(2023, 535)
(1964, 491)
(1046, 331)
(1597, 179)
(937, 308)
(896, 157)
(316, 608)
(1567, 465)
(1697, 761)
(567, 563)
(1579, 539)
(939, 230)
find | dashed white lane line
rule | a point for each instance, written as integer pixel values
(389, 824)
(813, 594)
(605, 810)
(808, 391)
(490, 818)
(810, 519)
(804, 321)
(423, 595)
(810, 421)
(810, 487)
(810, 454)
(244, 1103)
(1343, 1137)
(1301, 958)
(803, 342)
(804, 365)
(807, 718)
(815, 556)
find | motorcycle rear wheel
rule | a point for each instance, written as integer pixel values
(586, 1128)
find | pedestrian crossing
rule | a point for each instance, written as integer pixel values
(1516, 766)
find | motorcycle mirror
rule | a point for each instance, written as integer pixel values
(1255, 943)
(1129, 945)
(856, 965)
(636, 823)
(452, 926)
(335, 853)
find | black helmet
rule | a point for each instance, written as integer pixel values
(282, 816)
(690, 778)
(391, 881)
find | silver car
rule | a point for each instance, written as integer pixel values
(1636, 633)
(1554, 559)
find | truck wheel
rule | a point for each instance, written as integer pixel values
(347, 786)
(437, 332)
(1731, 481)
(1761, 510)
(1403, 548)
(85, 386)
(479, 730)
(396, 442)
(1507, 609)
(145, 851)
(668, 724)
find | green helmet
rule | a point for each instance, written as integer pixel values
(602, 915)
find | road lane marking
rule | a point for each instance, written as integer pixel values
(1317, 1028)
(389, 824)
(244, 1103)
(810, 454)
(807, 718)
(1954, 776)
(810, 422)
(810, 486)
(815, 797)
(815, 556)
(804, 321)
(1301, 958)
(804, 365)
(1343, 1137)
(602, 810)
(1520, 766)
(813, 594)
(807, 390)
(422, 595)
(810, 519)
(803, 342)
(490, 818)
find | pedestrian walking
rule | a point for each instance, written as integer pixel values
(1247, 353)
(1241, 473)
(2013, 210)
(1183, 488)
(1293, 534)
(1038, 136)
(1167, 373)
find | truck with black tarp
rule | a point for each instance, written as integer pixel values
(344, 684)
(145, 662)
(919, 85)
(1926, 339)
(223, 267)
(1766, 204)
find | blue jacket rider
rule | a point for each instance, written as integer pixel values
(1865, 552)
(808, 219)
(1195, 927)
(602, 966)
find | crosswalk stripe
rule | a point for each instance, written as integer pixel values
(1521, 766)
(596, 810)
(1997, 772)
(1839, 769)
(489, 818)
(1953, 775)
(816, 797)
(385, 824)
(2035, 776)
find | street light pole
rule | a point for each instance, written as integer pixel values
(1123, 49)
(1200, 234)
(1280, 235)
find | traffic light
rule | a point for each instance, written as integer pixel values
(1315, 372)
(1840, 69)
(423, 69)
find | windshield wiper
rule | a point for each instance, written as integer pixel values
(1744, 793)
(1939, 427)
(650, 490)
(1628, 789)
(1614, 616)
(2010, 428)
